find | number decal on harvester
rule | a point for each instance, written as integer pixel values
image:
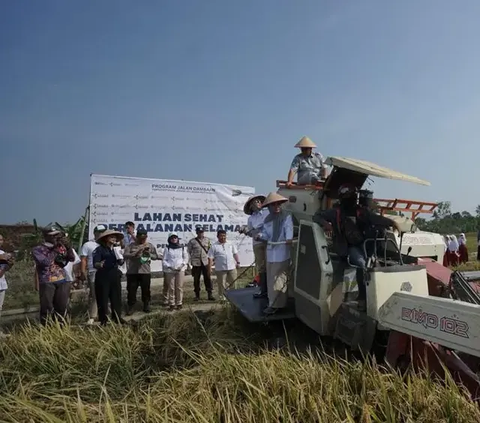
(432, 321)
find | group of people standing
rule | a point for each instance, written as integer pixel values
(456, 251)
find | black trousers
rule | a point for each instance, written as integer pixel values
(108, 287)
(54, 300)
(138, 280)
(198, 271)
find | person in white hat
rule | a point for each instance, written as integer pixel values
(308, 166)
(175, 262)
(51, 257)
(257, 214)
(277, 227)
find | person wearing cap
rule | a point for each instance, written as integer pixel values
(350, 223)
(51, 257)
(139, 255)
(277, 227)
(225, 255)
(88, 271)
(309, 166)
(197, 249)
(175, 262)
(256, 217)
(108, 285)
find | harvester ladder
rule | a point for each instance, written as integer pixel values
(405, 206)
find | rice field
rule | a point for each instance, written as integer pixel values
(207, 367)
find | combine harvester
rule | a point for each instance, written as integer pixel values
(425, 314)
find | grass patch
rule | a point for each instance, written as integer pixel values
(203, 368)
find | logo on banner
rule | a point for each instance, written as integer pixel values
(100, 195)
(183, 188)
(100, 206)
(97, 213)
(121, 196)
(141, 197)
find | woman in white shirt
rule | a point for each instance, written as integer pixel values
(175, 260)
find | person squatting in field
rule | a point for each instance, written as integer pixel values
(139, 255)
(175, 262)
(108, 286)
(88, 271)
(197, 249)
(256, 217)
(277, 227)
(51, 257)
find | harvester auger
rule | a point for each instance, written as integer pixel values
(428, 315)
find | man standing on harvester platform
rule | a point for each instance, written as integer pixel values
(257, 215)
(350, 223)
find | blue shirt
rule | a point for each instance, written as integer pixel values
(104, 253)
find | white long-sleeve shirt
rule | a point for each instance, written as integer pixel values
(175, 259)
(255, 223)
(278, 253)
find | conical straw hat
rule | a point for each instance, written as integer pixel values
(109, 232)
(273, 197)
(305, 142)
(246, 207)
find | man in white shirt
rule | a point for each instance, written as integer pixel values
(257, 214)
(88, 271)
(277, 228)
(225, 255)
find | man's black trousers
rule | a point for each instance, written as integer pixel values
(108, 287)
(198, 271)
(134, 281)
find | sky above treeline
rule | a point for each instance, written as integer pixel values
(219, 91)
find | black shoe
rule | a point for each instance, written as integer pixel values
(197, 298)
(211, 297)
(178, 307)
(146, 308)
(129, 311)
(171, 308)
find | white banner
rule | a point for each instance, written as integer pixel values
(163, 206)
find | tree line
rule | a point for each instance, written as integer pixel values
(445, 222)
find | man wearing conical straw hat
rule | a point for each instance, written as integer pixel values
(309, 166)
(277, 227)
(257, 214)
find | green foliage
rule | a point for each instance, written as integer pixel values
(445, 222)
